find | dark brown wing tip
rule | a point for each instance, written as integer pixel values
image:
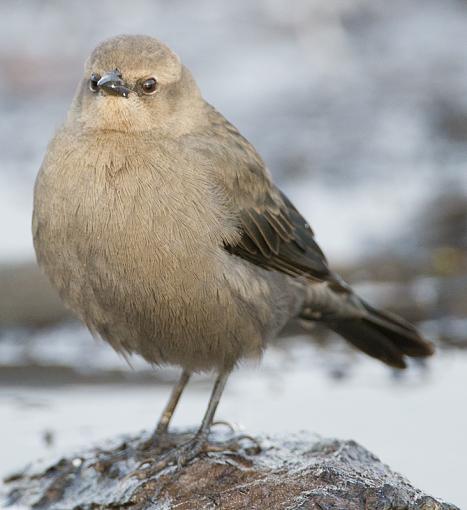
(396, 363)
(425, 349)
(404, 334)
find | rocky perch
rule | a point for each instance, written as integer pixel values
(293, 472)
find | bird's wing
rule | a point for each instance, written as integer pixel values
(273, 234)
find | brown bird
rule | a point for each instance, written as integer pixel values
(160, 226)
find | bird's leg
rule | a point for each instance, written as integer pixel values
(182, 454)
(159, 436)
(216, 394)
(168, 412)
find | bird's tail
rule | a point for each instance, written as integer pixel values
(379, 334)
(382, 335)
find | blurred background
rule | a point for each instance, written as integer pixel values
(360, 110)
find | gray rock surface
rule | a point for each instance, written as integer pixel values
(293, 472)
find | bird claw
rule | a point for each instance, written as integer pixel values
(235, 445)
(225, 424)
(160, 441)
(181, 455)
(257, 445)
(178, 456)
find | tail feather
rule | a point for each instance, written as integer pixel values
(403, 334)
(384, 336)
(370, 340)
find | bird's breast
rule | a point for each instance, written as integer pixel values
(125, 219)
(132, 238)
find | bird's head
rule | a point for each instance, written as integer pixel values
(135, 83)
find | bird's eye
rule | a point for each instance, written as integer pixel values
(149, 86)
(93, 82)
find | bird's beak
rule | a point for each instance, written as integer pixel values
(112, 83)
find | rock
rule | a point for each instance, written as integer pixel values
(293, 472)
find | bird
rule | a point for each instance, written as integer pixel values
(160, 226)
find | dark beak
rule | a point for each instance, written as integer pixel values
(112, 83)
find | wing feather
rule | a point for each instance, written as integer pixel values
(273, 234)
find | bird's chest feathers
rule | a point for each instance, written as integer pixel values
(136, 211)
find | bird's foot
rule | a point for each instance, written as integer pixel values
(167, 450)
(161, 439)
(237, 445)
(178, 456)
(157, 442)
